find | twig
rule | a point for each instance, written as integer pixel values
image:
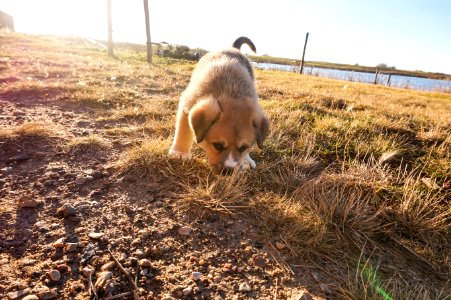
(283, 264)
(118, 296)
(91, 287)
(129, 277)
(275, 292)
(136, 273)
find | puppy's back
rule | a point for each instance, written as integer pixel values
(226, 73)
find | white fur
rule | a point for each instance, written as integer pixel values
(230, 162)
(179, 154)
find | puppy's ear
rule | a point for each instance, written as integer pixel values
(261, 125)
(202, 116)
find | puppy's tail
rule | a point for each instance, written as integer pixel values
(244, 40)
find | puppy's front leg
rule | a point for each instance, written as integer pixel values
(248, 163)
(183, 139)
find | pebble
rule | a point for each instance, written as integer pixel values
(18, 294)
(96, 235)
(102, 279)
(145, 263)
(46, 295)
(196, 275)
(31, 297)
(67, 210)
(81, 179)
(6, 170)
(325, 288)
(59, 243)
(185, 231)
(280, 245)
(18, 158)
(304, 295)
(87, 271)
(108, 266)
(245, 287)
(55, 275)
(187, 291)
(71, 247)
(28, 202)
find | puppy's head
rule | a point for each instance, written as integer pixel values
(228, 131)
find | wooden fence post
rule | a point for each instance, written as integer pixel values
(303, 54)
(149, 42)
(375, 76)
(110, 30)
(388, 80)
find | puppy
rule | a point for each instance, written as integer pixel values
(220, 109)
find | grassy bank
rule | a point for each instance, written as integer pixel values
(350, 198)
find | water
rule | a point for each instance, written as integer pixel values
(399, 81)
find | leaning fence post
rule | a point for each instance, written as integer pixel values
(375, 77)
(388, 80)
(303, 54)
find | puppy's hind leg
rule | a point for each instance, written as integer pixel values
(183, 139)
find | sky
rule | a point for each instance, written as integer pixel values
(407, 34)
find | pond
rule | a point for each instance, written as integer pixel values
(399, 81)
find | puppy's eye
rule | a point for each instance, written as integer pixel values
(243, 148)
(218, 146)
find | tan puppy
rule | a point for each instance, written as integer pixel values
(220, 108)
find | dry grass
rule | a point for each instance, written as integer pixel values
(87, 144)
(350, 177)
(340, 176)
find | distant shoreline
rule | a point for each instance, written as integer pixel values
(345, 67)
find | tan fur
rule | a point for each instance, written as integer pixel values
(220, 106)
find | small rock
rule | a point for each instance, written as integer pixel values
(187, 291)
(67, 210)
(227, 267)
(59, 243)
(96, 235)
(258, 261)
(304, 295)
(88, 252)
(18, 158)
(31, 297)
(108, 266)
(280, 245)
(54, 275)
(28, 202)
(245, 287)
(145, 263)
(325, 288)
(185, 231)
(102, 279)
(87, 271)
(196, 275)
(28, 262)
(81, 179)
(6, 170)
(18, 294)
(46, 295)
(62, 268)
(167, 297)
(71, 247)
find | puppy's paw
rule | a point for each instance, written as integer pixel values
(248, 163)
(179, 154)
